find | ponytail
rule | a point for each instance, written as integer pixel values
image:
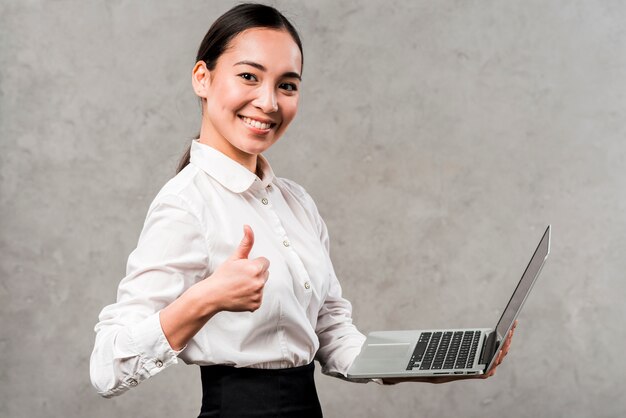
(184, 160)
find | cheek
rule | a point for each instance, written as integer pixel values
(231, 96)
(290, 108)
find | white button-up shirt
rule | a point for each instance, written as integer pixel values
(192, 226)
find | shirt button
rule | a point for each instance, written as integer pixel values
(269, 187)
(132, 382)
(158, 363)
(286, 243)
(307, 285)
(265, 201)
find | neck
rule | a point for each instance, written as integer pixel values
(249, 161)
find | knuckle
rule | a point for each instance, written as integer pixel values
(259, 267)
(264, 264)
(252, 269)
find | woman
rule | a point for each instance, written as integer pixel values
(253, 311)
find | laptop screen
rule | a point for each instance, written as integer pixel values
(523, 287)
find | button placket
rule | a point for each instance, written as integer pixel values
(301, 278)
(277, 223)
(302, 275)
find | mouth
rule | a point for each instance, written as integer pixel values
(260, 125)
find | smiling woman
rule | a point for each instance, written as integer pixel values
(251, 96)
(198, 290)
(224, 37)
(253, 311)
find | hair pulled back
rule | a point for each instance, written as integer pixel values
(236, 20)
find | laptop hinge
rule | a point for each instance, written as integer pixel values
(489, 348)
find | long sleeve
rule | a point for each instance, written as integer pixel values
(340, 341)
(171, 255)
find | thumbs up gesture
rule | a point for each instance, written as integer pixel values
(237, 284)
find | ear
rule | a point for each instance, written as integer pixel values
(200, 79)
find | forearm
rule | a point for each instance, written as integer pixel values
(183, 318)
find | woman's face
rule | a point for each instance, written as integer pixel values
(251, 94)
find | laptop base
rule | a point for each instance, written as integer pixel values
(396, 354)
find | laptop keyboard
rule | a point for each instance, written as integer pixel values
(445, 350)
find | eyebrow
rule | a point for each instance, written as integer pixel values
(262, 68)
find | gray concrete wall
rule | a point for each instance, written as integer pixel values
(437, 137)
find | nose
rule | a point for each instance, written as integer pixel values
(266, 100)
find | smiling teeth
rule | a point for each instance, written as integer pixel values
(256, 123)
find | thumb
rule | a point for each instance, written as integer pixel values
(243, 250)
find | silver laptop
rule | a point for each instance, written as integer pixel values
(439, 352)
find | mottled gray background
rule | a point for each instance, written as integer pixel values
(437, 137)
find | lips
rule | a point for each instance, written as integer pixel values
(257, 123)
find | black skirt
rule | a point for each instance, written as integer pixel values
(243, 392)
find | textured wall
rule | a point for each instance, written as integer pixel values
(437, 137)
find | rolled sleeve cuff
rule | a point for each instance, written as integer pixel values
(150, 343)
(145, 342)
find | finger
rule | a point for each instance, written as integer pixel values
(496, 363)
(509, 337)
(507, 343)
(263, 264)
(243, 250)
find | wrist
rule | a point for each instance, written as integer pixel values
(201, 303)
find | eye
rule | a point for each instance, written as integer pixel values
(247, 76)
(289, 87)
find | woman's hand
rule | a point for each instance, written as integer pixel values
(237, 284)
(445, 379)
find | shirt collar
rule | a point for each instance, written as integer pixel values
(228, 172)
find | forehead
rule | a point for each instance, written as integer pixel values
(272, 48)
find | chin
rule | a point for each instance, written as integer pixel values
(256, 148)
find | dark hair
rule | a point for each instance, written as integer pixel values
(230, 24)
